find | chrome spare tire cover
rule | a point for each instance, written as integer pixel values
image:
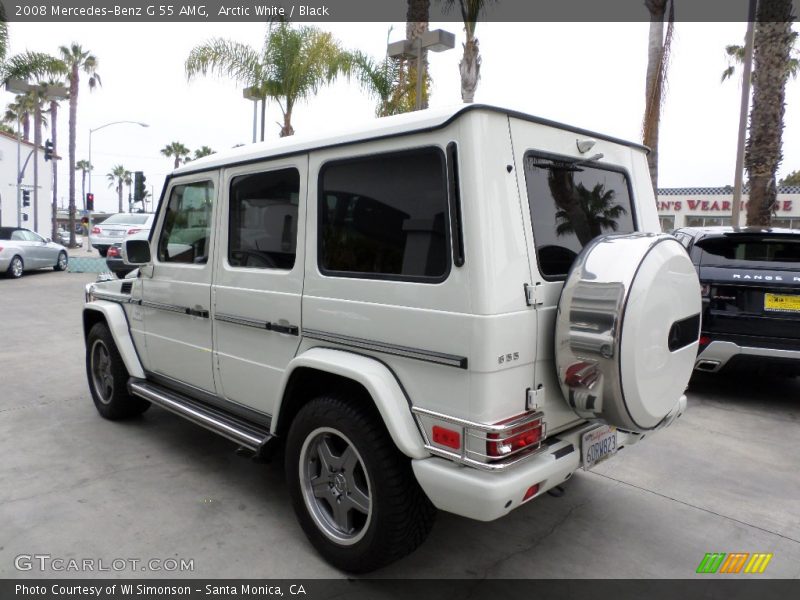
(627, 329)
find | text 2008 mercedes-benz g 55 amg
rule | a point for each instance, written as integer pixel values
(452, 309)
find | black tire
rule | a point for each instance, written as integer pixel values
(400, 516)
(61, 262)
(108, 377)
(103, 250)
(15, 268)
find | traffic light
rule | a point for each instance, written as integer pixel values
(26, 197)
(90, 201)
(138, 186)
(48, 150)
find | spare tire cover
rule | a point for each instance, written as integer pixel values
(627, 329)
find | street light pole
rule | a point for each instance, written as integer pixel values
(437, 40)
(91, 168)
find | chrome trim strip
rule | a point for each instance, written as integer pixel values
(225, 318)
(161, 306)
(489, 428)
(112, 297)
(450, 360)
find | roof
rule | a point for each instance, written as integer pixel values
(403, 124)
(13, 138)
(725, 190)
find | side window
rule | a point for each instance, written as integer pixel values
(570, 205)
(187, 224)
(262, 225)
(19, 236)
(385, 216)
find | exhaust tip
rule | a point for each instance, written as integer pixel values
(707, 365)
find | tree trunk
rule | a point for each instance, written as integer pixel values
(287, 128)
(175, 166)
(654, 88)
(119, 192)
(417, 17)
(54, 135)
(37, 144)
(763, 152)
(263, 116)
(470, 68)
(26, 127)
(83, 187)
(73, 127)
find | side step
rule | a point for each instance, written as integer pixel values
(248, 435)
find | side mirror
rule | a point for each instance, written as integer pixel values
(136, 252)
(47, 240)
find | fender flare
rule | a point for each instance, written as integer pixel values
(117, 321)
(379, 381)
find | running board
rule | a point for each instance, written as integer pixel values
(246, 434)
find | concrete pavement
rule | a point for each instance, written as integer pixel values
(723, 479)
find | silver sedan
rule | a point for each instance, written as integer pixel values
(23, 250)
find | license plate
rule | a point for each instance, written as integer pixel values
(782, 302)
(115, 233)
(598, 444)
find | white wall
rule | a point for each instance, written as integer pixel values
(8, 190)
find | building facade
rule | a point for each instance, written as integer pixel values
(705, 206)
(39, 214)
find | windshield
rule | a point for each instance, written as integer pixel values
(127, 219)
(722, 251)
(571, 205)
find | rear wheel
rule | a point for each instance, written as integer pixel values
(15, 268)
(108, 377)
(61, 263)
(353, 491)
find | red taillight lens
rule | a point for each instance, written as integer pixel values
(134, 230)
(524, 436)
(531, 492)
(581, 374)
(704, 340)
(113, 251)
(446, 437)
(96, 230)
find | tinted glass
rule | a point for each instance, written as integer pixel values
(186, 231)
(127, 219)
(263, 219)
(385, 216)
(722, 251)
(5, 233)
(571, 205)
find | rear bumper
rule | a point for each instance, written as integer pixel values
(718, 353)
(4, 262)
(488, 495)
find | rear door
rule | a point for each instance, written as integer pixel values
(176, 299)
(259, 279)
(754, 285)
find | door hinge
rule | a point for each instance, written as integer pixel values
(534, 398)
(533, 294)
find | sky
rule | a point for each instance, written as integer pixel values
(589, 75)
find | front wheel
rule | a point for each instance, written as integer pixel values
(353, 491)
(108, 377)
(61, 263)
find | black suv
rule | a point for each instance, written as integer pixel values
(750, 281)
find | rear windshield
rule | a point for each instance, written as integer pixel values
(571, 205)
(725, 250)
(5, 232)
(128, 219)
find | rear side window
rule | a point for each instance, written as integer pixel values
(262, 230)
(723, 251)
(128, 218)
(187, 224)
(385, 217)
(571, 205)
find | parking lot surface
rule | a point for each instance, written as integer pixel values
(725, 478)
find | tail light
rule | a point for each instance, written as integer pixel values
(134, 230)
(515, 440)
(704, 341)
(531, 492)
(96, 230)
(582, 374)
(113, 251)
(446, 437)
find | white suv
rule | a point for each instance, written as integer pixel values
(451, 309)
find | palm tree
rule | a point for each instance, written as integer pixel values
(76, 60)
(735, 54)
(598, 208)
(658, 52)
(3, 33)
(470, 65)
(84, 167)
(417, 17)
(203, 151)
(118, 176)
(54, 139)
(381, 80)
(772, 45)
(176, 149)
(292, 65)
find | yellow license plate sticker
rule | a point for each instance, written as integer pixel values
(782, 302)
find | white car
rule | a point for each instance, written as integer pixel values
(24, 250)
(116, 227)
(453, 309)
